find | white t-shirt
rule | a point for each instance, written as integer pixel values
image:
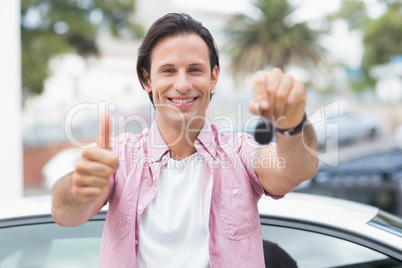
(172, 233)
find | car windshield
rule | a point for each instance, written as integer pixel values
(49, 245)
(387, 222)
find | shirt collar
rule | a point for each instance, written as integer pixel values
(157, 147)
(206, 139)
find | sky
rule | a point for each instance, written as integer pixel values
(310, 8)
(307, 9)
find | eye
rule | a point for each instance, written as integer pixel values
(195, 70)
(167, 71)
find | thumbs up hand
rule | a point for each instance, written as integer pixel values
(92, 171)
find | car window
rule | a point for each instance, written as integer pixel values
(49, 245)
(309, 249)
(388, 223)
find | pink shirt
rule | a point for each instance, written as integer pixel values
(230, 190)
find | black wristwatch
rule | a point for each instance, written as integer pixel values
(294, 131)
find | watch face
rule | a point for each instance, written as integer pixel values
(264, 131)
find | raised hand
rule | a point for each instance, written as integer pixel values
(92, 171)
(280, 98)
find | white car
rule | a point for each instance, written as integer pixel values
(60, 164)
(308, 231)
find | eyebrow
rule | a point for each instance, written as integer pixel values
(198, 64)
(191, 65)
(165, 65)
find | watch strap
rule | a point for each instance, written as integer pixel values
(294, 131)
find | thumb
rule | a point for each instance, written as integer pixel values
(105, 130)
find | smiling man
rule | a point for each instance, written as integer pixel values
(183, 194)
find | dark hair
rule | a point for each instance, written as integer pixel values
(173, 24)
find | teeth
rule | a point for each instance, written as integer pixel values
(182, 101)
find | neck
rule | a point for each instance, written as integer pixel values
(180, 139)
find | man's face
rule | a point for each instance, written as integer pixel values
(181, 79)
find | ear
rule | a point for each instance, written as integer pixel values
(147, 86)
(214, 78)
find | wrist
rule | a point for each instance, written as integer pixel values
(296, 130)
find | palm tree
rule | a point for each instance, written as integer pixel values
(269, 39)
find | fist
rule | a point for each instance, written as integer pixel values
(279, 98)
(93, 169)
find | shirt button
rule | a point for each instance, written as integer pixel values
(136, 242)
(154, 178)
(235, 191)
(140, 207)
(164, 157)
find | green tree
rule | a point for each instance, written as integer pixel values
(392, 3)
(382, 39)
(270, 39)
(52, 27)
(354, 11)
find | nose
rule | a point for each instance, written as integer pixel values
(182, 82)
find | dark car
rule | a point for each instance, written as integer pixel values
(374, 179)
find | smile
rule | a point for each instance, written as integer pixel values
(182, 100)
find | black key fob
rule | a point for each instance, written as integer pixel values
(264, 131)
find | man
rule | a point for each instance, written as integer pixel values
(182, 194)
